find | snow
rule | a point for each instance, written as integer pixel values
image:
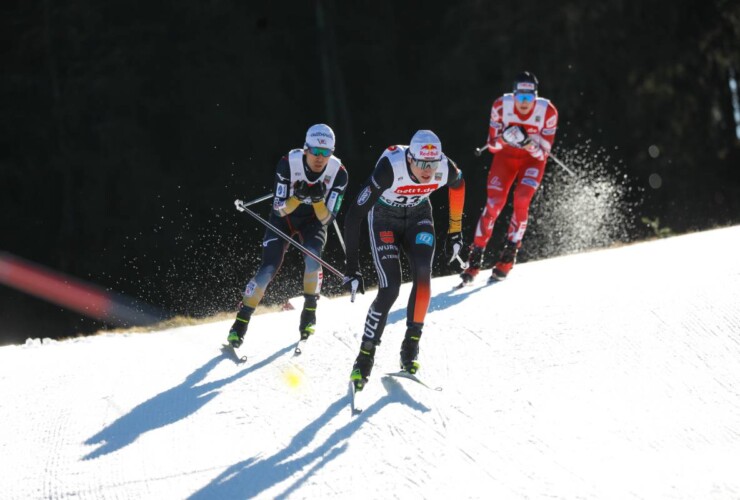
(611, 374)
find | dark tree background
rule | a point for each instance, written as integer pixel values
(128, 128)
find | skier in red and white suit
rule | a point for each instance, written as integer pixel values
(520, 136)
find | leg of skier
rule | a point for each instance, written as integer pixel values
(385, 251)
(528, 180)
(314, 239)
(418, 245)
(273, 251)
(500, 178)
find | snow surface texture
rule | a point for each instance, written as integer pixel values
(609, 374)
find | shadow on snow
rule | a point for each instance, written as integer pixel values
(441, 301)
(168, 407)
(250, 477)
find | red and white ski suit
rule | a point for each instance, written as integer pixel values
(525, 165)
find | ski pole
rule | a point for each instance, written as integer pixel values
(555, 159)
(463, 264)
(242, 207)
(339, 236)
(479, 150)
(257, 200)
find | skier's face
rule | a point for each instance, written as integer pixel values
(316, 163)
(524, 102)
(424, 170)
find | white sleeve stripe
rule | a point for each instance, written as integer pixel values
(382, 278)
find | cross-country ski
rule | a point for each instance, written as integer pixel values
(232, 354)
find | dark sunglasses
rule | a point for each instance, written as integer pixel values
(524, 97)
(319, 151)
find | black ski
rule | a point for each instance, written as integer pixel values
(231, 353)
(411, 376)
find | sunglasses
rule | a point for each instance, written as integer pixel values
(319, 151)
(427, 165)
(524, 97)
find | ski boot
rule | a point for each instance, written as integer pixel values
(307, 325)
(363, 365)
(506, 261)
(475, 260)
(239, 328)
(410, 349)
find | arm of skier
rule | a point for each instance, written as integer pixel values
(540, 144)
(285, 202)
(456, 197)
(327, 207)
(496, 127)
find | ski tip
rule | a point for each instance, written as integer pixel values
(462, 284)
(230, 351)
(299, 348)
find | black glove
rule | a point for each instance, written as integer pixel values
(301, 190)
(317, 192)
(516, 136)
(353, 282)
(453, 245)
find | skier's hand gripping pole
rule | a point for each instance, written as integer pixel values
(242, 207)
(554, 158)
(354, 283)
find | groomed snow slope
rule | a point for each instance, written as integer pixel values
(610, 374)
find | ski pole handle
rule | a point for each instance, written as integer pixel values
(479, 150)
(241, 205)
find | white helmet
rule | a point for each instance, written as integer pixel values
(425, 146)
(320, 136)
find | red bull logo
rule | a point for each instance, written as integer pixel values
(428, 151)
